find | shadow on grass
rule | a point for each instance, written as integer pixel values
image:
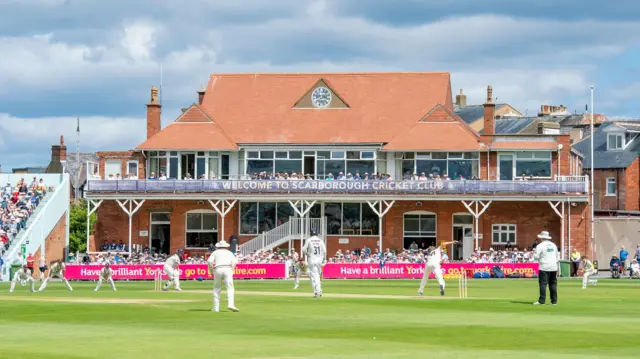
(521, 302)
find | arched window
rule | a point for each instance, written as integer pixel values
(419, 227)
(201, 229)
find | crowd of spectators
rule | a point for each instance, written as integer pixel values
(362, 255)
(17, 204)
(284, 176)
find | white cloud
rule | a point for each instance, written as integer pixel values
(139, 40)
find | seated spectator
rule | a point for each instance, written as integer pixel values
(104, 247)
(122, 246)
(113, 246)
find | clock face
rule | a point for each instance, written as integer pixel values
(321, 97)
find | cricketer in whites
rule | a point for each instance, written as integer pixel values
(172, 270)
(432, 265)
(315, 253)
(106, 274)
(56, 271)
(221, 263)
(23, 275)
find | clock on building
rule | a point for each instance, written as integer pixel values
(321, 97)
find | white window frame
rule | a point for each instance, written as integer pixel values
(137, 173)
(511, 228)
(535, 156)
(106, 168)
(187, 230)
(611, 180)
(152, 222)
(419, 213)
(615, 146)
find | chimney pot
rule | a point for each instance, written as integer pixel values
(461, 99)
(201, 94)
(154, 111)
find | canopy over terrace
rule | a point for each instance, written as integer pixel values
(222, 195)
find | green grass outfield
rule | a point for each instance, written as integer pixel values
(496, 321)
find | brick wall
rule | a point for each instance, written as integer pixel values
(530, 219)
(123, 156)
(632, 183)
(55, 245)
(603, 201)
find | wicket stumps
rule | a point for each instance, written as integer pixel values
(462, 284)
(157, 281)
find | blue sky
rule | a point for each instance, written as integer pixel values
(97, 59)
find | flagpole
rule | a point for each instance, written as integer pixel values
(592, 180)
(78, 160)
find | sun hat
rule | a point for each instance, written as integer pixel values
(222, 244)
(544, 235)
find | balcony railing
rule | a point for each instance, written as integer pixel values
(340, 187)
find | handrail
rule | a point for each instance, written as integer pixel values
(559, 186)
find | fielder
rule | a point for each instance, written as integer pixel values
(56, 271)
(106, 274)
(23, 275)
(221, 263)
(171, 269)
(315, 253)
(432, 265)
(42, 264)
(300, 268)
(587, 271)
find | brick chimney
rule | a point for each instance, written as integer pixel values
(489, 113)
(154, 109)
(201, 93)
(59, 152)
(461, 99)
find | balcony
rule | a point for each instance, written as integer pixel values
(561, 186)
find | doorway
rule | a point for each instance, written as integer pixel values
(463, 233)
(309, 166)
(187, 164)
(160, 233)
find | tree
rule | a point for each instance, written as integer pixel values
(78, 226)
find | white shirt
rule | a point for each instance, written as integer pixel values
(222, 258)
(635, 267)
(21, 274)
(547, 256)
(106, 273)
(57, 268)
(42, 262)
(587, 266)
(315, 249)
(435, 256)
(173, 261)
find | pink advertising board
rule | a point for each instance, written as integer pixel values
(416, 271)
(187, 271)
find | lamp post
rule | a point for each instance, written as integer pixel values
(592, 178)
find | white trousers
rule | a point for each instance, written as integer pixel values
(315, 271)
(174, 277)
(110, 280)
(51, 276)
(428, 269)
(29, 280)
(585, 278)
(299, 273)
(220, 275)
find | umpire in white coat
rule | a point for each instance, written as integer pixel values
(546, 254)
(221, 263)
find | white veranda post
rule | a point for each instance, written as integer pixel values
(476, 208)
(305, 207)
(91, 211)
(128, 208)
(383, 208)
(561, 214)
(222, 207)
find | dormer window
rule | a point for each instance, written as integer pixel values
(615, 142)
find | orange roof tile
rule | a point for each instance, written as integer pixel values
(258, 108)
(439, 130)
(193, 130)
(524, 145)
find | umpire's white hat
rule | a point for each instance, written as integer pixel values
(222, 244)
